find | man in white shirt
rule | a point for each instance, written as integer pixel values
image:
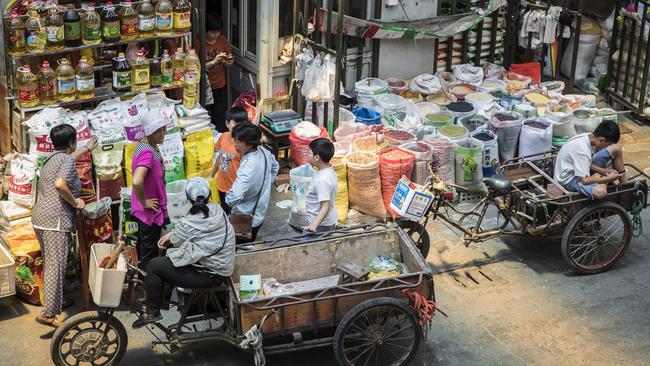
(576, 161)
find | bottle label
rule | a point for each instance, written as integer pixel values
(121, 79)
(16, 38)
(156, 80)
(111, 29)
(91, 33)
(72, 31)
(85, 84)
(142, 76)
(167, 79)
(163, 21)
(29, 94)
(179, 75)
(32, 38)
(129, 27)
(66, 86)
(48, 87)
(54, 33)
(182, 20)
(146, 24)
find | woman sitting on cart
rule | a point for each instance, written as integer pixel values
(576, 161)
(201, 251)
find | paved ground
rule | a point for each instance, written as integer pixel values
(534, 311)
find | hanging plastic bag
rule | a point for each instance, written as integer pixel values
(172, 153)
(536, 137)
(300, 179)
(469, 167)
(303, 60)
(107, 160)
(506, 125)
(364, 183)
(393, 164)
(98, 224)
(22, 187)
(338, 163)
(199, 149)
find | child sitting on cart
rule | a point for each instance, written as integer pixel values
(576, 161)
(201, 251)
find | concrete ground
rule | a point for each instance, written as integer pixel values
(533, 310)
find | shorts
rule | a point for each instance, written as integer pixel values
(603, 159)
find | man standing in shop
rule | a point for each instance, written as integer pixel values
(218, 56)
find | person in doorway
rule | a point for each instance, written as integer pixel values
(251, 190)
(53, 216)
(576, 161)
(218, 56)
(200, 251)
(148, 195)
(321, 195)
(227, 163)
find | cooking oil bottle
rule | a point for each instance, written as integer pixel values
(85, 79)
(146, 18)
(16, 35)
(155, 73)
(54, 30)
(27, 88)
(179, 67)
(47, 84)
(141, 72)
(128, 21)
(164, 16)
(167, 69)
(91, 25)
(66, 81)
(35, 40)
(182, 11)
(190, 87)
(122, 78)
(110, 24)
(72, 28)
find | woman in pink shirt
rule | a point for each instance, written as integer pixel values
(148, 197)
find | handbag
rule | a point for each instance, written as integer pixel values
(243, 223)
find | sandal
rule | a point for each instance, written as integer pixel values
(51, 321)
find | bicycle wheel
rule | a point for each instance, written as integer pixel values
(419, 234)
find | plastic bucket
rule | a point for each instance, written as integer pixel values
(106, 284)
(367, 116)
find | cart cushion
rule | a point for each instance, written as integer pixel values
(498, 183)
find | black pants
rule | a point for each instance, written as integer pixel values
(161, 270)
(217, 110)
(147, 246)
(222, 201)
(254, 231)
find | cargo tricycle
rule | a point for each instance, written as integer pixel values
(523, 198)
(331, 300)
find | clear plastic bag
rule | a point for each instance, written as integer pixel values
(300, 179)
(383, 263)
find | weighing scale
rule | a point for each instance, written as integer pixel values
(281, 121)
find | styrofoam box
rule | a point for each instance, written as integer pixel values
(7, 272)
(106, 284)
(410, 200)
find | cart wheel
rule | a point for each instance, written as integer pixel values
(380, 331)
(596, 237)
(418, 233)
(89, 338)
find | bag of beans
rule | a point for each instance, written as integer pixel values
(364, 183)
(393, 164)
(338, 163)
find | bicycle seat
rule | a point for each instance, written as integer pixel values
(498, 183)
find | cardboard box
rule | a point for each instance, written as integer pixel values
(410, 200)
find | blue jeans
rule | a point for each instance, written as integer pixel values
(602, 159)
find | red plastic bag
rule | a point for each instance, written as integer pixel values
(393, 163)
(248, 101)
(530, 69)
(299, 146)
(85, 172)
(97, 221)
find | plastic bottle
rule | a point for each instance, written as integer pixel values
(128, 21)
(47, 84)
(110, 24)
(122, 80)
(182, 11)
(164, 16)
(156, 75)
(167, 69)
(66, 81)
(54, 30)
(141, 73)
(179, 67)
(16, 35)
(85, 79)
(91, 25)
(27, 88)
(72, 28)
(34, 33)
(190, 87)
(146, 18)
(192, 63)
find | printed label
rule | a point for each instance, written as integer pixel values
(32, 38)
(129, 27)
(146, 24)
(163, 21)
(111, 29)
(66, 86)
(28, 95)
(85, 84)
(142, 76)
(156, 80)
(121, 79)
(72, 31)
(54, 33)
(179, 75)
(167, 79)
(182, 20)
(48, 87)
(91, 33)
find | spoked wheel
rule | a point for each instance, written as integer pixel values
(596, 237)
(419, 234)
(381, 331)
(89, 338)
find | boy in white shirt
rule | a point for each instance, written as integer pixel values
(321, 196)
(576, 161)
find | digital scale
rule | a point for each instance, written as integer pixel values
(281, 121)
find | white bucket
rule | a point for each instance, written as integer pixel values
(106, 284)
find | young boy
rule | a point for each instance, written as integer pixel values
(575, 163)
(227, 163)
(321, 196)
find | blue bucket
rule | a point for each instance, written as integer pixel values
(367, 116)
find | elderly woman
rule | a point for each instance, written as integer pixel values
(148, 197)
(53, 215)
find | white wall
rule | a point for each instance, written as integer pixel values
(407, 58)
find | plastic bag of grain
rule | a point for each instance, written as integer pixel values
(107, 160)
(506, 125)
(442, 159)
(394, 162)
(22, 187)
(364, 183)
(300, 178)
(172, 153)
(301, 135)
(392, 108)
(338, 163)
(423, 153)
(469, 167)
(351, 131)
(396, 137)
(536, 137)
(199, 150)
(490, 150)
(367, 88)
(373, 143)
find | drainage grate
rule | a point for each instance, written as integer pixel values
(473, 278)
